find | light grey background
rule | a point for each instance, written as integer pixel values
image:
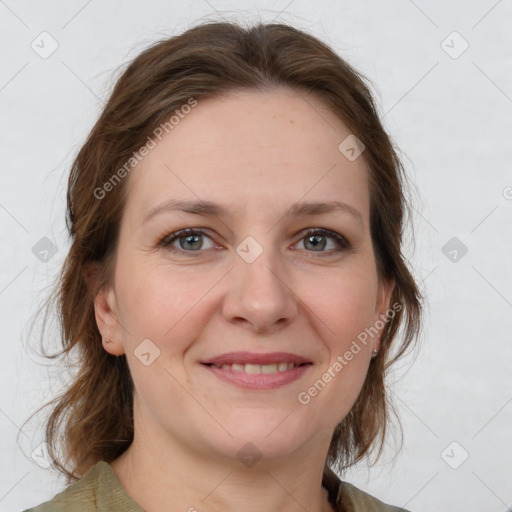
(450, 114)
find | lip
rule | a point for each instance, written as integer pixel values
(258, 381)
(255, 358)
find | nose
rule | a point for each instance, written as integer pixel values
(260, 296)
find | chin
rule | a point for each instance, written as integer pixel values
(271, 433)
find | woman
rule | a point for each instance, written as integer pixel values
(235, 281)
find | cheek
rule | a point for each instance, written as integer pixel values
(344, 305)
(158, 304)
(166, 308)
(347, 309)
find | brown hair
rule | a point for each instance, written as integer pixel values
(206, 61)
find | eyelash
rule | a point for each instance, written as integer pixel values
(341, 242)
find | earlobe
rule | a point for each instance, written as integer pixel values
(105, 311)
(382, 308)
(386, 291)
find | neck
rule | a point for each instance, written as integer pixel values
(170, 476)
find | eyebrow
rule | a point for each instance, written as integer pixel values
(208, 208)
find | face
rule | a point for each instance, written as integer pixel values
(261, 280)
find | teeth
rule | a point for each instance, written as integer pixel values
(255, 369)
(252, 368)
(269, 368)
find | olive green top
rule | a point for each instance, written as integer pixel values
(99, 490)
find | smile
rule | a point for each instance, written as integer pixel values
(254, 369)
(258, 377)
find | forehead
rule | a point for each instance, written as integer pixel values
(252, 150)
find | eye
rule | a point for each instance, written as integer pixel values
(189, 240)
(316, 239)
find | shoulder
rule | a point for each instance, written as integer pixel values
(81, 495)
(346, 497)
(97, 490)
(356, 500)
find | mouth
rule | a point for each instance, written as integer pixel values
(258, 371)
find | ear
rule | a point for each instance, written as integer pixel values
(105, 312)
(382, 306)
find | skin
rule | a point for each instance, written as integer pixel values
(269, 151)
